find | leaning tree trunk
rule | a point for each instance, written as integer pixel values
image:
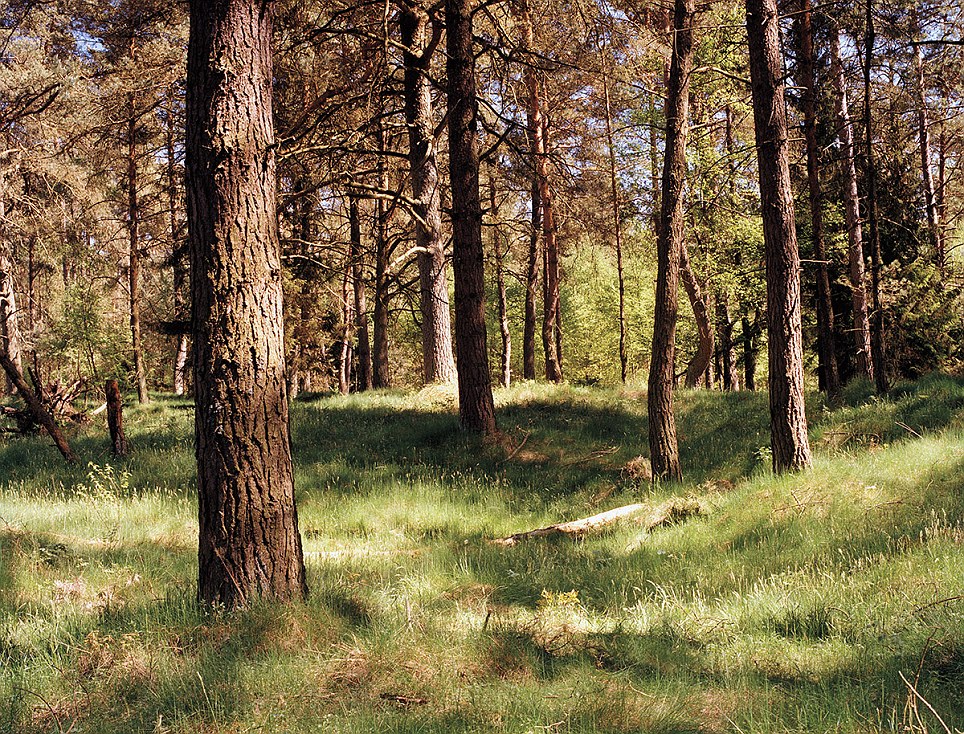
(788, 419)
(134, 272)
(855, 251)
(663, 445)
(826, 346)
(363, 344)
(476, 406)
(249, 541)
(697, 368)
(437, 358)
(877, 318)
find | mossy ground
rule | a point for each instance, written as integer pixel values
(806, 603)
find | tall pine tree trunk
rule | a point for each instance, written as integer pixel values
(826, 342)
(924, 138)
(617, 234)
(10, 342)
(381, 376)
(249, 542)
(500, 248)
(855, 251)
(179, 259)
(699, 364)
(134, 271)
(437, 358)
(663, 445)
(788, 419)
(532, 286)
(476, 406)
(363, 343)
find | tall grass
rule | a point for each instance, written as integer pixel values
(805, 603)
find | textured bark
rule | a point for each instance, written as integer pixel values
(134, 271)
(698, 366)
(617, 235)
(826, 346)
(115, 419)
(877, 346)
(788, 420)
(40, 413)
(362, 348)
(551, 313)
(663, 445)
(855, 250)
(532, 287)
(476, 406)
(437, 358)
(249, 542)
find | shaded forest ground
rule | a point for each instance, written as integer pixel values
(809, 603)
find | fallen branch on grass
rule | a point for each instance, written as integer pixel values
(576, 528)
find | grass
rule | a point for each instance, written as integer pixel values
(805, 603)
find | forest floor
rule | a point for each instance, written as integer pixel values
(823, 601)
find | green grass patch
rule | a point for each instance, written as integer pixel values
(803, 603)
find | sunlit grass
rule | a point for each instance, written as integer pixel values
(788, 604)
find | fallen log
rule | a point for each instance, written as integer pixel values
(36, 407)
(576, 528)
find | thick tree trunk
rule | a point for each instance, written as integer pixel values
(363, 348)
(476, 406)
(877, 345)
(788, 419)
(663, 445)
(617, 236)
(826, 342)
(249, 542)
(855, 251)
(437, 358)
(134, 272)
(115, 419)
(698, 366)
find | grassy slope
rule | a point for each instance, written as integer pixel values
(792, 604)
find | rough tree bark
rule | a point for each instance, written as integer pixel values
(826, 347)
(855, 239)
(363, 345)
(249, 542)
(788, 420)
(663, 445)
(437, 358)
(532, 287)
(10, 342)
(476, 406)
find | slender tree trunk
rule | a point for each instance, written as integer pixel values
(697, 368)
(10, 342)
(749, 351)
(855, 252)
(877, 317)
(663, 445)
(551, 313)
(500, 248)
(941, 199)
(363, 349)
(380, 365)
(178, 252)
(788, 419)
(347, 319)
(115, 419)
(134, 272)
(724, 327)
(826, 346)
(40, 413)
(924, 136)
(249, 542)
(437, 358)
(476, 406)
(532, 287)
(617, 234)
